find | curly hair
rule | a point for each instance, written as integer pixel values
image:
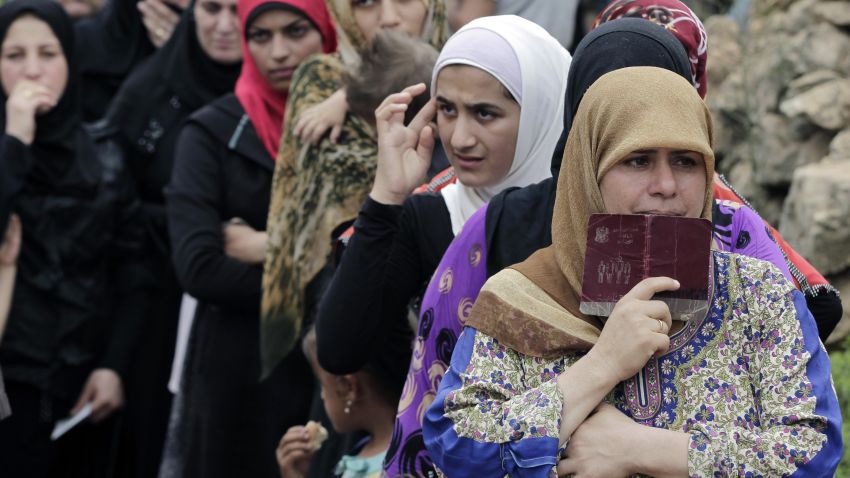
(393, 62)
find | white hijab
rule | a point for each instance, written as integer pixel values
(533, 66)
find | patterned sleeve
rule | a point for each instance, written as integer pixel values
(795, 426)
(494, 414)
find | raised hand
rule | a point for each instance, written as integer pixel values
(159, 20)
(404, 151)
(26, 100)
(636, 330)
(294, 452)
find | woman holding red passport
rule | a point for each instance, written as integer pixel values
(537, 388)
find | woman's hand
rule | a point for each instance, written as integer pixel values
(404, 152)
(609, 443)
(11, 244)
(159, 20)
(315, 121)
(294, 453)
(27, 99)
(601, 446)
(636, 330)
(105, 393)
(245, 244)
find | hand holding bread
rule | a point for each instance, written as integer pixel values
(297, 447)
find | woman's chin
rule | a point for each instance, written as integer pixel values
(42, 110)
(470, 179)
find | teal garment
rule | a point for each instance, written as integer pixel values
(358, 467)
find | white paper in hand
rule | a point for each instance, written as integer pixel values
(63, 426)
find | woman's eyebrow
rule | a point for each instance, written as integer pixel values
(471, 106)
(294, 22)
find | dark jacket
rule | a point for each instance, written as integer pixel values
(223, 171)
(80, 284)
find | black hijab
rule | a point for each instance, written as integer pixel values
(519, 220)
(56, 126)
(109, 45)
(62, 155)
(181, 69)
(189, 72)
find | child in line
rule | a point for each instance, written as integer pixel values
(363, 401)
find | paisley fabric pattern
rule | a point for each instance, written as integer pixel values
(314, 189)
(501, 401)
(749, 382)
(445, 306)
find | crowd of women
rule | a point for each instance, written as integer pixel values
(224, 219)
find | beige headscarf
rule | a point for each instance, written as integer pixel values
(315, 188)
(351, 41)
(623, 111)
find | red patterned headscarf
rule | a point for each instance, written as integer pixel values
(265, 106)
(678, 19)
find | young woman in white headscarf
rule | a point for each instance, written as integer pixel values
(492, 93)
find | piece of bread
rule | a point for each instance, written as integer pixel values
(318, 434)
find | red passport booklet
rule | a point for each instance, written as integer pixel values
(624, 249)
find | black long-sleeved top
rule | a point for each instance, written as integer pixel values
(223, 171)
(80, 287)
(212, 183)
(13, 174)
(387, 263)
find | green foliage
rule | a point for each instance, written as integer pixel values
(839, 358)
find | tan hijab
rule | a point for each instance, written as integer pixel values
(623, 111)
(350, 40)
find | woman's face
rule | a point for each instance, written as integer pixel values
(81, 8)
(656, 181)
(404, 15)
(32, 52)
(478, 124)
(279, 40)
(218, 30)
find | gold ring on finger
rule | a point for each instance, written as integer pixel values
(160, 32)
(660, 326)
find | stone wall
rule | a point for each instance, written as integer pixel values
(779, 89)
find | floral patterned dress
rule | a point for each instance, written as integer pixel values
(749, 382)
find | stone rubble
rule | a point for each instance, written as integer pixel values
(779, 90)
